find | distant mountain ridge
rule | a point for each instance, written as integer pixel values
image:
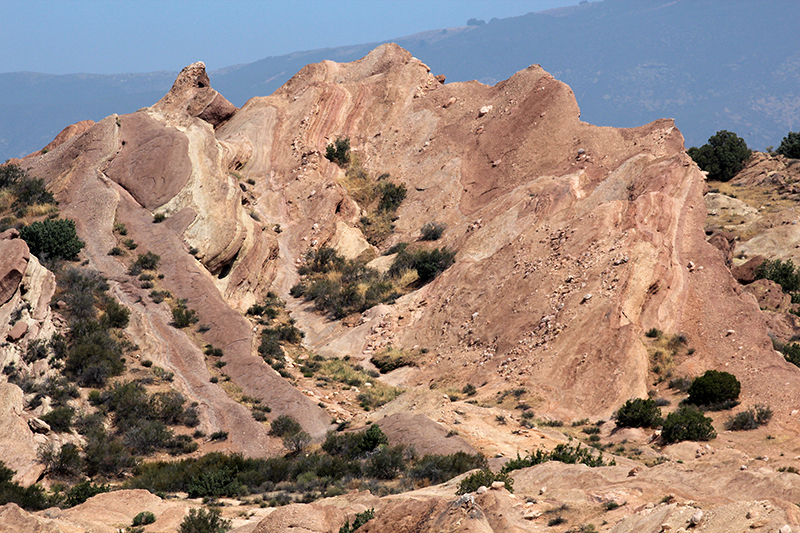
(708, 64)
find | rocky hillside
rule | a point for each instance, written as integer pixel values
(570, 244)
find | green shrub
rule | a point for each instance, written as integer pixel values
(204, 521)
(714, 388)
(116, 315)
(183, 317)
(752, 418)
(339, 151)
(11, 174)
(439, 468)
(722, 157)
(82, 492)
(653, 333)
(687, 423)
(31, 191)
(386, 463)
(790, 145)
(469, 389)
(432, 231)
(296, 442)
(391, 196)
(159, 218)
(360, 520)
(564, 453)
(284, 425)
(484, 478)
(639, 413)
(391, 359)
(31, 498)
(784, 273)
(427, 263)
(53, 239)
(60, 419)
(144, 518)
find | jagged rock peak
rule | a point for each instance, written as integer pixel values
(194, 76)
(192, 95)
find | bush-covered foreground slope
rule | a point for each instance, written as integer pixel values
(274, 260)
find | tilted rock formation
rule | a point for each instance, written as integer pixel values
(571, 242)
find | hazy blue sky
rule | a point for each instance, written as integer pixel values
(114, 36)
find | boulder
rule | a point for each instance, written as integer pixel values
(14, 257)
(770, 296)
(746, 273)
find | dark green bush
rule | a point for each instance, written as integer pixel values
(31, 498)
(484, 478)
(784, 273)
(204, 521)
(94, 355)
(564, 453)
(687, 423)
(432, 231)
(714, 388)
(31, 191)
(791, 352)
(639, 413)
(11, 174)
(116, 315)
(427, 263)
(284, 425)
(722, 157)
(387, 462)
(392, 196)
(339, 151)
(752, 418)
(82, 492)
(469, 389)
(360, 520)
(53, 239)
(144, 518)
(439, 468)
(356, 444)
(60, 419)
(183, 317)
(790, 145)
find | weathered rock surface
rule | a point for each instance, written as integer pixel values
(572, 240)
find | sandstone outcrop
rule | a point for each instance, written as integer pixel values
(571, 242)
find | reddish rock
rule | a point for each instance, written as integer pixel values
(725, 242)
(746, 273)
(770, 296)
(153, 164)
(18, 331)
(14, 257)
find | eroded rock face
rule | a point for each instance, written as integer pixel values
(14, 256)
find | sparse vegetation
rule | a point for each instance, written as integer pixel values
(485, 478)
(391, 359)
(359, 520)
(182, 316)
(432, 231)
(565, 453)
(204, 521)
(758, 415)
(339, 151)
(341, 287)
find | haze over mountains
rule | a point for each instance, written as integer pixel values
(710, 65)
